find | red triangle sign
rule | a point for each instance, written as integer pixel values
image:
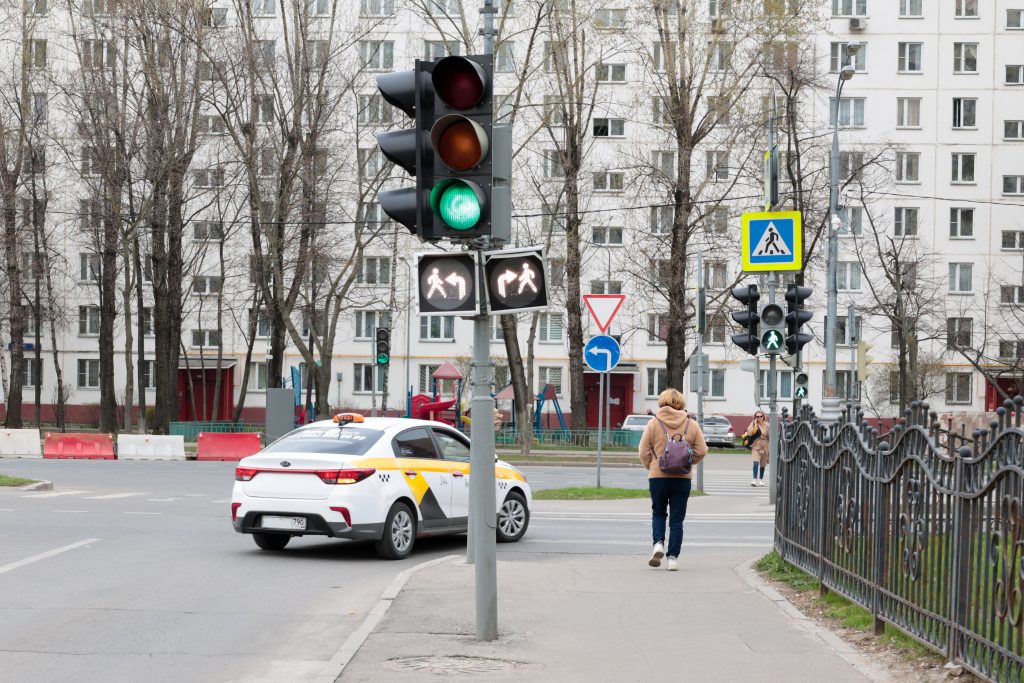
(603, 308)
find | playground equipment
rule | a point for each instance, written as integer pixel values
(548, 394)
(425, 407)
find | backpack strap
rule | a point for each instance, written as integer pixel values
(663, 427)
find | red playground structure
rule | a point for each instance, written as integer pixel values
(425, 407)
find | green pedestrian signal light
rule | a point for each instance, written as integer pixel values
(383, 346)
(801, 385)
(771, 340)
(773, 328)
(801, 392)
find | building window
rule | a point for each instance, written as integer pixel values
(958, 332)
(963, 168)
(1013, 240)
(32, 372)
(661, 272)
(966, 8)
(719, 109)
(88, 373)
(1012, 350)
(88, 321)
(662, 55)
(377, 8)
(549, 375)
(961, 278)
(961, 223)
(1015, 19)
(664, 163)
(657, 328)
(605, 287)
(718, 326)
(852, 221)
(657, 381)
(609, 181)
(661, 220)
(35, 53)
(437, 328)
(375, 270)
(1010, 295)
(208, 177)
(260, 322)
(850, 165)
(497, 332)
(207, 284)
(438, 49)
(849, 8)
(720, 220)
(552, 327)
(909, 59)
(965, 112)
(374, 111)
(426, 381)
(905, 221)
(377, 55)
(89, 267)
(784, 387)
(607, 234)
(208, 231)
(1015, 74)
(851, 111)
(264, 8)
(611, 73)
(553, 167)
(97, 54)
(609, 128)
(91, 163)
(367, 323)
(258, 376)
(721, 56)
(504, 57)
(843, 337)
(717, 384)
(554, 56)
(318, 8)
(958, 387)
(908, 112)
(210, 124)
(1013, 184)
(841, 57)
(910, 8)
(662, 110)
(610, 18)
(1013, 130)
(35, 8)
(715, 274)
(717, 163)
(848, 276)
(965, 58)
(362, 377)
(556, 272)
(908, 167)
(205, 338)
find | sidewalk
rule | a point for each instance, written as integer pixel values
(599, 618)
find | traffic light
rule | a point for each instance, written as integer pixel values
(796, 316)
(516, 280)
(448, 283)
(773, 329)
(864, 360)
(801, 385)
(383, 346)
(413, 93)
(749, 318)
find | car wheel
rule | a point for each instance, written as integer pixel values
(399, 533)
(271, 541)
(513, 518)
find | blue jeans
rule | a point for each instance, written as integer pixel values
(669, 494)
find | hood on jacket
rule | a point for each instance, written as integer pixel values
(672, 418)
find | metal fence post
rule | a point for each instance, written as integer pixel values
(820, 517)
(958, 536)
(880, 516)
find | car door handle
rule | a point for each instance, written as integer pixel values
(410, 473)
(458, 474)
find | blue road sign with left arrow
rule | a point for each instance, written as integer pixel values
(602, 353)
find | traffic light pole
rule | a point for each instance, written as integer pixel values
(700, 364)
(773, 407)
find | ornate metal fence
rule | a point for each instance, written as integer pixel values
(921, 526)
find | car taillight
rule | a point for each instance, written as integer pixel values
(344, 513)
(234, 511)
(350, 476)
(245, 473)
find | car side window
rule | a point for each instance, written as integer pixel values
(452, 448)
(414, 443)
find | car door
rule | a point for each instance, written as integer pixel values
(427, 476)
(455, 452)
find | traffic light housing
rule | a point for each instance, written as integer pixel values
(773, 329)
(749, 318)
(800, 391)
(447, 283)
(864, 360)
(383, 346)
(796, 317)
(515, 280)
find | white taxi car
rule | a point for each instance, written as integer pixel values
(390, 480)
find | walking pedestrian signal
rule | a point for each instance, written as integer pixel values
(447, 283)
(796, 316)
(773, 329)
(749, 318)
(516, 280)
(801, 385)
(383, 346)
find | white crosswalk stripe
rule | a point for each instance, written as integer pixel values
(54, 494)
(114, 496)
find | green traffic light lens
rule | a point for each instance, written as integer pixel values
(459, 207)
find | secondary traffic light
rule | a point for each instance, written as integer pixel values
(516, 280)
(749, 318)
(383, 346)
(864, 360)
(448, 283)
(773, 329)
(796, 316)
(801, 385)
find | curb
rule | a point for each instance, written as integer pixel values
(350, 647)
(38, 486)
(846, 651)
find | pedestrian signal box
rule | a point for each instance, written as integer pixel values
(447, 283)
(516, 280)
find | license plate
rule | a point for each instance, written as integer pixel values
(289, 523)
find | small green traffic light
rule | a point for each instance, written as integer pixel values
(771, 340)
(801, 392)
(459, 207)
(383, 359)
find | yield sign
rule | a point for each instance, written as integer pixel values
(603, 308)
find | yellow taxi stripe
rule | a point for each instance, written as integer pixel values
(392, 464)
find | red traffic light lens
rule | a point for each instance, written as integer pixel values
(459, 82)
(460, 143)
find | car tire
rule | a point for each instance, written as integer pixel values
(271, 541)
(513, 518)
(399, 533)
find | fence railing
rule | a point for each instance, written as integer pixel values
(585, 438)
(923, 527)
(190, 430)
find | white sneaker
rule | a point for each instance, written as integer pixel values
(760, 482)
(753, 482)
(659, 552)
(673, 564)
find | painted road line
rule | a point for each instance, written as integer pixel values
(161, 500)
(143, 513)
(112, 496)
(6, 509)
(49, 553)
(221, 502)
(54, 494)
(68, 510)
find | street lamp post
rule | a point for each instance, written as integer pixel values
(830, 399)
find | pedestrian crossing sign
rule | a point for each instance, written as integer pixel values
(771, 241)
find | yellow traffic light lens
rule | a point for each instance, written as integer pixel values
(459, 146)
(459, 206)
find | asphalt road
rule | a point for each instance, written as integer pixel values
(131, 571)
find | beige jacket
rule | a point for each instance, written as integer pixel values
(759, 449)
(652, 443)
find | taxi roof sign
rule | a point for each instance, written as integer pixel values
(345, 418)
(771, 240)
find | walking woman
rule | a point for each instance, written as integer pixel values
(669, 492)
(758, 429)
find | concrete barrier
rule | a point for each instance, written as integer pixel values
(20, 443)
(227, 445)
(81, 446)
(150, 447)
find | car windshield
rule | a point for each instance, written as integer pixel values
(638, 420)
(348, 440)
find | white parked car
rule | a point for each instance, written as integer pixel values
(389, 480)
(636, 422)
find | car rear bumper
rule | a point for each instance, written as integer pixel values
(316, 525)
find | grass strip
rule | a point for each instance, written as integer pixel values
(7, 480)
(594, 493)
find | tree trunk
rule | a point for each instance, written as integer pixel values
(108, 306)
(573, 303)
(17, 317)
(520, 388)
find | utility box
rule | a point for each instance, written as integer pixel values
(280, 413)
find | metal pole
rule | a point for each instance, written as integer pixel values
(408, 327)
(373, 372)
(700, 367)
(851, 326)
(482, 499)
(773, 429)
(600, 422)
(830, 398)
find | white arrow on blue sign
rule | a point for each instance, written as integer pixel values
(602, 353)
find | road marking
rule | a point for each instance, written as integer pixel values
(6, 509)
(42, 556)
(161, 500)
(221, 502)
(194, 495)
(54, 494)
(112, 496)
(143, 513)
(68, 510)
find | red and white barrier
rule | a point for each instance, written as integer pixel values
(20, 443)
(79, 446)
(150, 447)
(227, 445)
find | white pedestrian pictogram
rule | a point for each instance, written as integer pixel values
(526, 279)
(436, 285)
(504, 279)
(771, 243)
(458, 281)
(772, 340)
